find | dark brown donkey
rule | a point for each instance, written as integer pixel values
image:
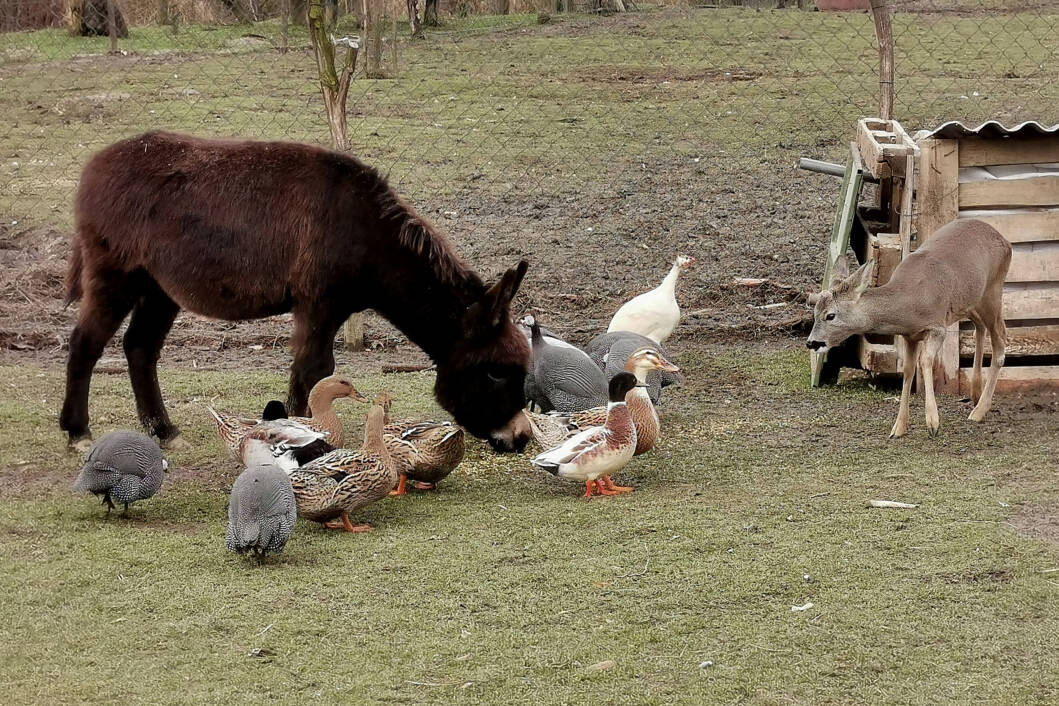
(242, 230)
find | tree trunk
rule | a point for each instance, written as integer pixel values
(373, 33)
(430, 13)
(334, 86)
(112, 26)
(413, 20)
(92, 18)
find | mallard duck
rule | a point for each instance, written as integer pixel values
(232, 428)
(656, 313)
(594, 454)
(343, 481)
(550, 430)
(283, 442)
(609, 351)
(425, 452)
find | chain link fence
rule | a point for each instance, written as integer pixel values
(597, 137)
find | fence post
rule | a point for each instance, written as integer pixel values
(884, 35)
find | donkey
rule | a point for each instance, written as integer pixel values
(957, 274)
(242, 230)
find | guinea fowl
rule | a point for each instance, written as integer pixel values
(552, 429)
(232, 428)
(610, 351)
(261, 511)
(656, 313)
(123, 466)
(566, 380)
(592, 455)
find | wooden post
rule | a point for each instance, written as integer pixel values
(112, 27)
(880, 11)
(334, 85)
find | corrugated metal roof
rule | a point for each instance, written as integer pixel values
(990, 128)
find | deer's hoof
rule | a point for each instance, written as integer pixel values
(977, 415)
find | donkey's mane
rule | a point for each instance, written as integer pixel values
(424, 239)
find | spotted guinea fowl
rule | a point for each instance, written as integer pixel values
(592, 455)
(261, 511)
(550, 430)
(610, 351)
(231, 428)
(425, 452)
(343, 481)
(566, 379)
(655, 313)
(123, 466)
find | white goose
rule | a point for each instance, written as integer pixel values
(653, 314)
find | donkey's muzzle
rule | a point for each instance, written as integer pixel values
(815, 345)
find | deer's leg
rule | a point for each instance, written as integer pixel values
(908, 372)
(105, 303)
(979, 350)
(152, 318)
(931, 348)
(998, 334)
(314, 357)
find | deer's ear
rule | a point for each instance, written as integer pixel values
(840, 271)
(861, 279)
(812, 299)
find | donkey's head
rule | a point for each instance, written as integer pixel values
(837, 313)
(481, 381)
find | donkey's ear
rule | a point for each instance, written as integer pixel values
(492, 308)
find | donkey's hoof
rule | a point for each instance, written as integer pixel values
(175, 443)
(81, 445)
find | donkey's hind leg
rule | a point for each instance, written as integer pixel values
(106, 301)
(151, 320)
(314, 356)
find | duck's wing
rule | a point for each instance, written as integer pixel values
(570, 450)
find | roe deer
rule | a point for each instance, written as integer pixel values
(957, 274)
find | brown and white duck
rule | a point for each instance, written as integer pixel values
(592, 455)
(282, 442)
(330, 487)
(425, 452)
(550, 430)
(231, 428)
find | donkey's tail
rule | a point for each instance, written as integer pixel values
(73, 275)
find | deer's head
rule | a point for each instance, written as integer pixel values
(837, 312)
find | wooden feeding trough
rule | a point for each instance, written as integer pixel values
(1008, 177)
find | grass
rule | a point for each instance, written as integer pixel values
(505, 587)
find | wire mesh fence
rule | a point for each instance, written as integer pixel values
(598, 137)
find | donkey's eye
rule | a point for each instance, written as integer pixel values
(494, 378)
(829, 317)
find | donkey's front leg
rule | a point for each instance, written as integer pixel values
(314, 358)
(908, 370)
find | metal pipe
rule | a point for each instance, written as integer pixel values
(815, 165)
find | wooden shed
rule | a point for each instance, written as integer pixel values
(1008, 177)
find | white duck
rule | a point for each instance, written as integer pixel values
(595, 453)
(653, 314)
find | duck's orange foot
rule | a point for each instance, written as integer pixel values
(343, 523)
(602, 488)
(419, 485)
(589, 485)
(611, 485)
(400, 489)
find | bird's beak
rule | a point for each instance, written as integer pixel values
(353, 394)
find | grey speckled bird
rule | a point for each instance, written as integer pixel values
(261, 511)
(610, 351)
(565, 379)
(123, 466)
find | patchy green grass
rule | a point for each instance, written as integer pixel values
(506, 587)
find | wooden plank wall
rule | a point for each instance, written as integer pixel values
(1026, 212)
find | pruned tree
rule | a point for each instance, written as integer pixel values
(334, 86)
